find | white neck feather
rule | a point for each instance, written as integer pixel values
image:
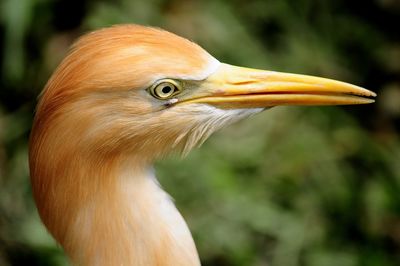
(136, 225)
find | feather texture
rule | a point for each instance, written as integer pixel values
(96, 132)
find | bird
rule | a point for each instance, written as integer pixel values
(122, 97)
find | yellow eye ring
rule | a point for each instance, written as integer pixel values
(165, 89)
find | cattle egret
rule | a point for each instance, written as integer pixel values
(121, 98)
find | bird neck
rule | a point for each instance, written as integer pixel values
(125, 219)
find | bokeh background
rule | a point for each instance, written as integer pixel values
(315, 186)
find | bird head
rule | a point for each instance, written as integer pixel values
(129, 94)
(137, 90)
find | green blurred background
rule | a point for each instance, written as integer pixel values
(315, 186)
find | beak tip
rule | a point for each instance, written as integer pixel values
(367, 101)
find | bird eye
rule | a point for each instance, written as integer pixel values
(165, 89)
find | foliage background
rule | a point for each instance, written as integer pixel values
(292, 186)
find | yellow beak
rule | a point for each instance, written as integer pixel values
(239, 87)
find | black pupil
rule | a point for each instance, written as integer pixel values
(166, 89)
